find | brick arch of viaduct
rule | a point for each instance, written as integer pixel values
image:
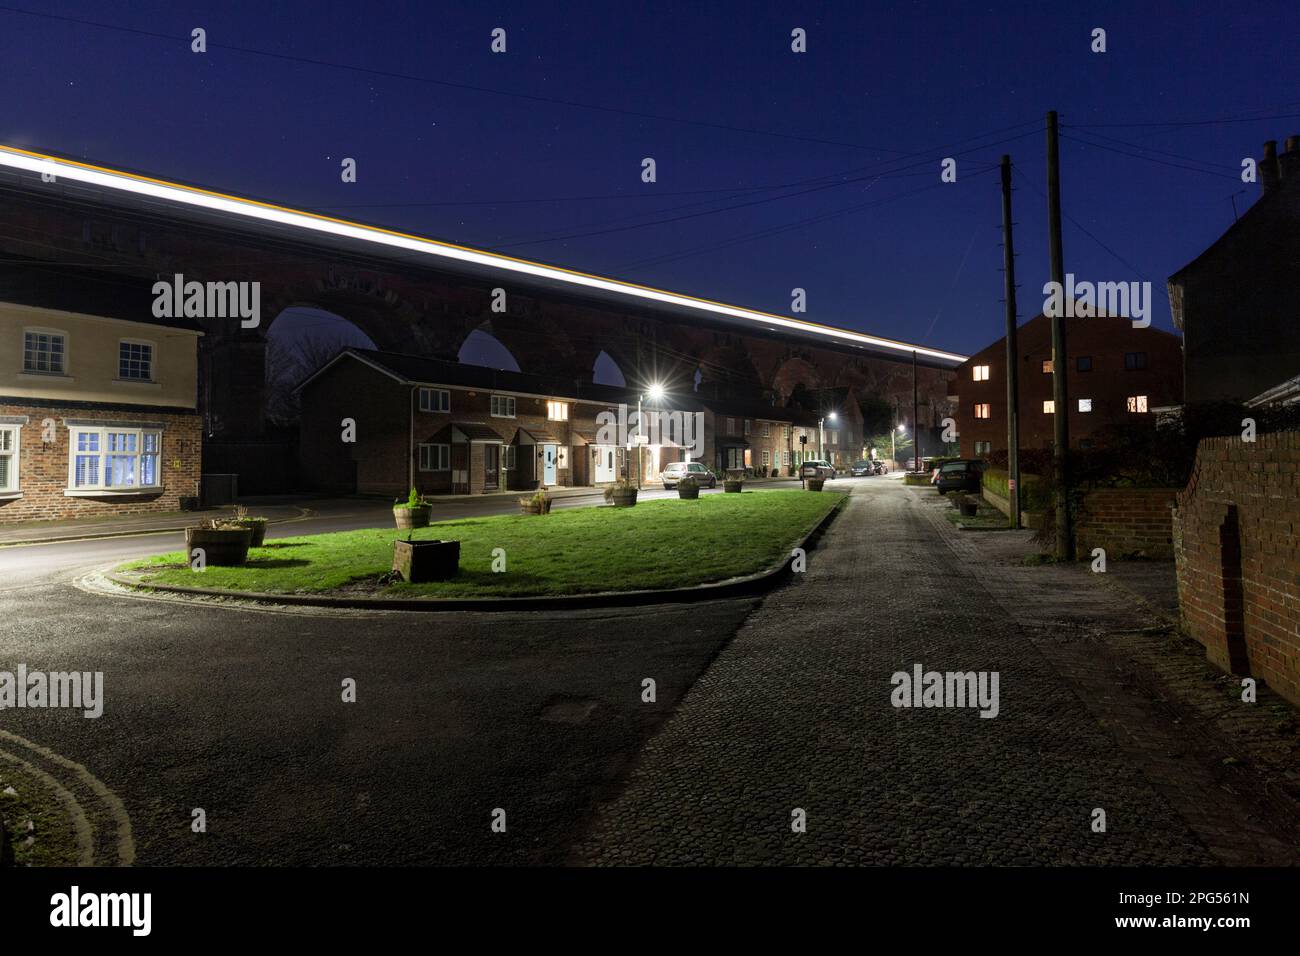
(404, 307)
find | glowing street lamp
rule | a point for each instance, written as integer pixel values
(655, 393)
(821, 433)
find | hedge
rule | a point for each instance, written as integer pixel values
(1035, 495)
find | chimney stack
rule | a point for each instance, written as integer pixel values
(1268, 167)
(1288, 164)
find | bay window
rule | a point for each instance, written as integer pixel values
(114, 459)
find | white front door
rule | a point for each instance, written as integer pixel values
(605, 468)
(548, 464)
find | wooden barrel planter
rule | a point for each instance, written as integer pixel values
(258, 527)
(815, 484)
(690, 493)
(420, 561)
(531, 506)
(732, 486)
(408, 517)
(221, 547)
(623, 498)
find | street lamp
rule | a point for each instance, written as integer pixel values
(821, 434)
(893, 447)
(655, 393)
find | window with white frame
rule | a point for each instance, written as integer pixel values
(767, 429)
(731, 426)
(503, 406)
(8, 458)
(435, 457)
(1049, 407)
(786, 455)
(981, 373)
(747, 423)
(435, 400)
(44, 352)
(113, 459)
(1137, 404)
(557, 411)
(1085, 404)
(767, 458)
(508, 456)
(134, 361)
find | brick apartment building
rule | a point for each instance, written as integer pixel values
(98, 409)
(444, 427)
(763, 438)
(1117, 375)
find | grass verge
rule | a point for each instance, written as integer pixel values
(660, 544)
(37, 828)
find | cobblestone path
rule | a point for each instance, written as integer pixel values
(795, 713)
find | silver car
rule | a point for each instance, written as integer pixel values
(816, 468)
(674, 473)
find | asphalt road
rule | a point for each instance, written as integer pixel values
(239, 712)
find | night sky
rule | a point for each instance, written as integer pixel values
(714, 94)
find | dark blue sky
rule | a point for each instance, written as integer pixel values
(882, 88)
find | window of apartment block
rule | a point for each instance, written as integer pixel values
(1083, 363)
(435, 400)
(747, 424)
(1047, 366)
(983, 410)
(786, 456)
(557, 411)
(767, 429)
(503, 406)
(983, 447)
(1135, 360)
(1085, 404)
(8, 459)
(44, 352)
(1137, 403)
(981, 373)
(1049, 407)
(731, 426)
(135, 361)
(113, 459)
(834, 438)
(435, 457)
(767, 458)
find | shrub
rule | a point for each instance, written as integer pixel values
(688, 481)
(413, 500)
(1035, 494)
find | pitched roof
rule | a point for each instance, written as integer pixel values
(65, 288)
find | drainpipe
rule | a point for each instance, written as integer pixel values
(410, 443)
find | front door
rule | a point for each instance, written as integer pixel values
(548, 464)
(491, 467)
(605, 466)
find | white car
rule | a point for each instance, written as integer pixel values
(816, 468)
(676, 471)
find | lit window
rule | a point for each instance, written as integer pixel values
(557, 411)
(1137, 403)
(113, 459)
(43, 352)
(1047, 367)
(435, 457)
(984, 410)
(1085, 404)
(503, 406)
(1049, 407)
(135, 361)
(435, 400)
(981, 373)
(8, 458)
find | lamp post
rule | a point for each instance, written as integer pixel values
(655, 393)
(821, 434)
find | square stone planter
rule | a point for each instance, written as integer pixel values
(221, 547)
(420, 561)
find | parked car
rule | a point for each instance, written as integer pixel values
(675, 471)
(816, 468)
(962, 475)
(863, 468)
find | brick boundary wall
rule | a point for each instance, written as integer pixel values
(1126, 523)
(1238, 558)
(43, 467)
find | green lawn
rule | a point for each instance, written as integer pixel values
(657, 544)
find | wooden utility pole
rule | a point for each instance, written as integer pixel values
(916, 419)
(1060, 394)
(1013, 352)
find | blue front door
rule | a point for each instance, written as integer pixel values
(548, 464)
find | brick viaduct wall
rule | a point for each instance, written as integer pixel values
(1126, 522)
(1235, 542)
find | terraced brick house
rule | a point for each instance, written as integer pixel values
(98, 398)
